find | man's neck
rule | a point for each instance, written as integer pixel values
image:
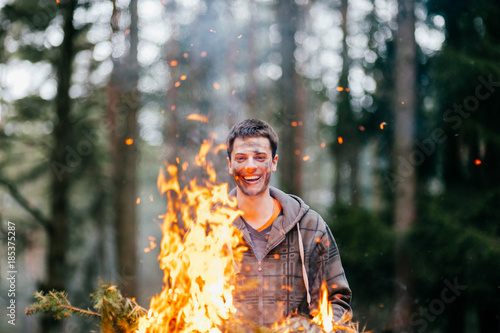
(257, 210)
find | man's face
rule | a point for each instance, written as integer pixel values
(251, 165)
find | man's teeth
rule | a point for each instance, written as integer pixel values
(252, 178)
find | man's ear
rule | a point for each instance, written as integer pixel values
(229, 165)
(274, 166)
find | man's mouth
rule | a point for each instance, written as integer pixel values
(251, 179)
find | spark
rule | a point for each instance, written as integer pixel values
(129, 142)
(173, 63)
(340, 140)
(173, 107)
(183, 77)
(340, 88)
(186, 55)
(216, 86)
(478, 162)
(233, 92)
(138, 201)
(203, 54)
(306, 158)
(177, 84)
(239, 37)
(297, 152)
(127, 32)
(323, 145)
(382, 125)
(361, 128)
(213, 31)
(294, 124)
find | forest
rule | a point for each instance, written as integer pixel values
(385, 111)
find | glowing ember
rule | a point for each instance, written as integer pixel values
(340, 88)
(216, 86)
(306, 158)
(477, 162)
(382, 125)
(340, 140)
(129, 142)
(183, 77)
(173, 63)
(197, 117)
(198, 253)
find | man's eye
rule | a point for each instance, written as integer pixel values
(261, 158)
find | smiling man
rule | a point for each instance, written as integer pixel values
(291, 250)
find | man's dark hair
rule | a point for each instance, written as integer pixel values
(251, 128)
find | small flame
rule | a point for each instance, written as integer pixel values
(324, 317)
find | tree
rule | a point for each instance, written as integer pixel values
(292, 113)
(124, 101)
(405, 187)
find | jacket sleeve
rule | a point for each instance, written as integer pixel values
(325, 265)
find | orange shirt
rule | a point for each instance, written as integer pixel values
(276, 212)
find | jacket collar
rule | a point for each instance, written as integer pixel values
(293, 207)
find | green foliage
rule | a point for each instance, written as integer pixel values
(56, 302)
(117, 313)
(365, 243)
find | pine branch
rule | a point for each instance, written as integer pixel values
(57, 302)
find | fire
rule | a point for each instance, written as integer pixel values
(324, 317)
(198, 254)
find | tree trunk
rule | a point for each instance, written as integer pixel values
(123, 106)
(60, 183)
(404, 136)
(346, 146)
(292, 112)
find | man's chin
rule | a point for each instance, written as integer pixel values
(251, 192)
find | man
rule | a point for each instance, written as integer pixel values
(285, 237)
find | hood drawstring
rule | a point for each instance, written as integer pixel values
(304, 271)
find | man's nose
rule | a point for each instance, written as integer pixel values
(250, 164)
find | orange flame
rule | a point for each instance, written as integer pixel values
(198, 253)
(324, 317)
